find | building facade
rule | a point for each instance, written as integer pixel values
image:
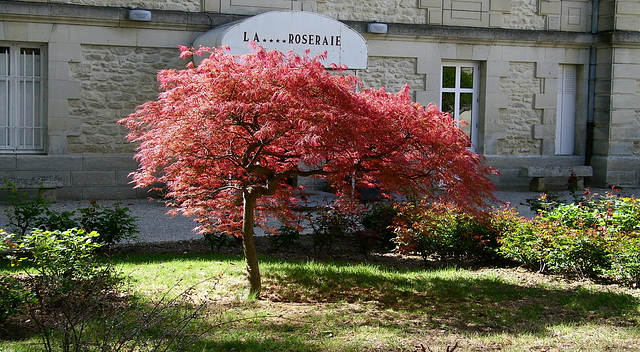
(539, 82)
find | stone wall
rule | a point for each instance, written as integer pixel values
(392, 74)
(565, 15)
(391, 11)
(115, 80)
(176, 5)
(524, 15)
(518, 118)
(621, 15)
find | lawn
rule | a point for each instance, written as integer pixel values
(373, 305)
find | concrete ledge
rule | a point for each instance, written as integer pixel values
(556, 171)
(46, 185)
(538, 174)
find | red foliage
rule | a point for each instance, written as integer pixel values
(239, 126)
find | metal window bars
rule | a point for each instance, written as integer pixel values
(22, 126)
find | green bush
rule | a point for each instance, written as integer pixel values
(24, 214)
(75, 302)
(329, 227)
(13, 296)
(217, 240)
(624, 254)
(114, 224)
(286, 237)
(69, 285)
(442, 231)
(379, 219)
(594, 237)
(58, 254)
(519, 239)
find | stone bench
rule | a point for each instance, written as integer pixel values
(46, 185)
(539, 173)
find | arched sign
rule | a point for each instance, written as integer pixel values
(292, 30)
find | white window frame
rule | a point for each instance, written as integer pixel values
(458, 90)
(22, 98)
(566, 110)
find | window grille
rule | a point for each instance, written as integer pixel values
(22, 124)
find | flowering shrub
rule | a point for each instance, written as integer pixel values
(518, 238)
(594, 237)
(442, 231)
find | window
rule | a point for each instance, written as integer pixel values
(459, 96)
(21, 99)
(566, 110)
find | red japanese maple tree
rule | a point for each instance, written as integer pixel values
(224, 137)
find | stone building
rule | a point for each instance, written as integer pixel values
(540, 82)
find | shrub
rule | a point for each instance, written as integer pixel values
(114, 224)
(443, 231)
(24, 214)
(544, 202)
(518, 239)
(365, 240)
(13, 295)
(624, 255)
(329, 227)
(592, 237)
(217, 240)
(67, 285)
(53, 220)
(59, 254)
(286, 237)
(76, 302)
(379, 218)
(570, 250)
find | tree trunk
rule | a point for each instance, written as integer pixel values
(249, 243)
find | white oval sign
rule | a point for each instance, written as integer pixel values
(292, 30)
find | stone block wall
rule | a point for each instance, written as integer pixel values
(99, 70)
(113, 80)
(175, 5)
(84, 176)
(564, 15)
(392, 74)
(616, 136)
(623, 15)
(520, 86)
(392, 11)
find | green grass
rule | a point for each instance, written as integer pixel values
(334, 306)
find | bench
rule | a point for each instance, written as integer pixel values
(46, 185)
(576, 175)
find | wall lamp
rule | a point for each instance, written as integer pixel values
(378, 28)
(140, 15)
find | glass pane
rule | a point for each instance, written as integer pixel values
(30, 62)
(448, 77)
(449, 103)
(464, 112)
(37, 97)
(466, 77)
(4, 61)
(4, 113)
(29, 114)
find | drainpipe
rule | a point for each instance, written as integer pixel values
(591, 93)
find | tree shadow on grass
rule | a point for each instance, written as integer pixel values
(458, 299)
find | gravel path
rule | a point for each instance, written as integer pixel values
(155, 225)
